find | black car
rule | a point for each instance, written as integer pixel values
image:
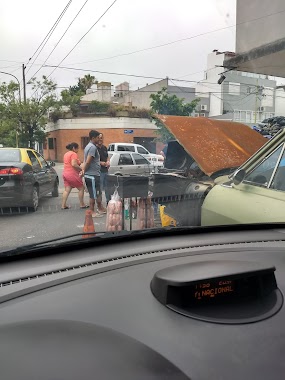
(25, 177)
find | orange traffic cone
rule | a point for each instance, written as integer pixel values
(88, 225)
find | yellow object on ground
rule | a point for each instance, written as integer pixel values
(166, 220)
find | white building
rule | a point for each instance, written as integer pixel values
(103, 93)
(240, 96)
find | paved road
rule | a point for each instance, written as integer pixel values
(48, 222)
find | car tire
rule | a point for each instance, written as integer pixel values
(55, 192)
(34, 202)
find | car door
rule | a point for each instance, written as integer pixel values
(259, 198)
(38, 172)
(126, 164)
(142, 164)
(49, 174)
(143, 152)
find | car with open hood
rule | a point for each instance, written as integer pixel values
(204, 153)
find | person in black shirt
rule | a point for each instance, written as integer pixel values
(105, 164)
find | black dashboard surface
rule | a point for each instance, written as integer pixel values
(100, 320)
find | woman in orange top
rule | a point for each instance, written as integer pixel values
(72, 175)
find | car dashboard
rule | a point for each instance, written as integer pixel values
(120, 309)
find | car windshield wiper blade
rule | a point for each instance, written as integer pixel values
(69, 239)
(50, 242)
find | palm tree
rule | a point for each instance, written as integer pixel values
(87, 81)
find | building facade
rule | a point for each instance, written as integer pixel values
(243, 96)
(115, 129)
(140, 98)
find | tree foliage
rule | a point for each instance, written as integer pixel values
(25, 121)
(71, 97)
(164, 104)
(86, 82)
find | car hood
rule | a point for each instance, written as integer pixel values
(215, 145)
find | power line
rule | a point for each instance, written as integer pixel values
(180, 40)
(141, 76)
(101, 72)
(49, 34)
(95, 23)
(7, 60)
(10, 66)
(61, 37)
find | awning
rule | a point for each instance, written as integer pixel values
(214, 144)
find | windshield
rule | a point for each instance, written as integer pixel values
(121, 116)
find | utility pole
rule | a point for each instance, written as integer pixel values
(256, 93)
(24, 82)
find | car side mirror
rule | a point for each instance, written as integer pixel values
(239, 176)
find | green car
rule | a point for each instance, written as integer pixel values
(255, 193)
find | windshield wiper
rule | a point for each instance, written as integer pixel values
(63, 241)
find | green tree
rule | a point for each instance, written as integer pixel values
(27, 120)
(164, 104)
(72, 96)
(87, 82)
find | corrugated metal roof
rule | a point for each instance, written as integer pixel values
(214, 144)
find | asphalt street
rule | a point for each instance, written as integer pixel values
(49, 222)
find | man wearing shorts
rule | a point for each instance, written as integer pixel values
(92, 174)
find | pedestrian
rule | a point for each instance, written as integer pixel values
(164, 151)
(91, 171)
(71, 175)
(105, 164)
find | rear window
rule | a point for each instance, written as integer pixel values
(126, 148)
(10, 155)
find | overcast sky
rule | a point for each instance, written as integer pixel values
(128, 26)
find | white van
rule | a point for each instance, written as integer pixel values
(155, 159)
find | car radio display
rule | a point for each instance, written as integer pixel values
(213, 289)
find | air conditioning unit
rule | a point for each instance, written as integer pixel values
(202, 115)
(203, 107)
(196, 115)
(261, 109)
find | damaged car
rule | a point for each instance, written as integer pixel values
(220, 172)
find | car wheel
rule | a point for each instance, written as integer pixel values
(55, 192)
(34, 202)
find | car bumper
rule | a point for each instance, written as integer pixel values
(13, 196)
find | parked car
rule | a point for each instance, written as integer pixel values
(25, 177)
(123, 163)
(155, 159)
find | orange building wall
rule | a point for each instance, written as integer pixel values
(63, 137)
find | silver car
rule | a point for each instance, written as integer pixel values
(122, 163)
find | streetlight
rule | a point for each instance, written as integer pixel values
(3, 72)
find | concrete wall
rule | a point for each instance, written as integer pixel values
(239, 93)
(252, 34)
(102, 94)
(101, 123)
(280, 102)
(209, 88)
(140, 98)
